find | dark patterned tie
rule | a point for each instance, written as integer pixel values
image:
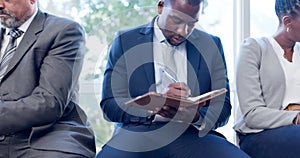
(9, 51)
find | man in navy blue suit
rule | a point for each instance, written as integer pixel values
(139, 62)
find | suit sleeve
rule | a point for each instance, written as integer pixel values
(115, 90)
(58, 76)
(221, 78)
(218, 111)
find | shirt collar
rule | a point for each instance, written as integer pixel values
(157, 32)
(25, 25)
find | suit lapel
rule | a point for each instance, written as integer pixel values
(194, 59)
(2, 32)
(28, 40)
(200, 51)
(147, 38)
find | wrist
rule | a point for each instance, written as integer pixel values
(196, 118)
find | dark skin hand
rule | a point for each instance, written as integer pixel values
(294, 107)
(184, 114)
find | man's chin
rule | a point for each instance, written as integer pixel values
(176, 42)
(4, 24)
(8, 23)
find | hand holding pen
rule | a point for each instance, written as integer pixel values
(181, 90)
(177, 88)
(182, 113)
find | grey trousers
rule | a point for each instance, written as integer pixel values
(17, 146)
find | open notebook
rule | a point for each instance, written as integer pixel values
(153, 100)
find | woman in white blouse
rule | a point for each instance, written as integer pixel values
(268, 88)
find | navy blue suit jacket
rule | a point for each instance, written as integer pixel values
(130, 73)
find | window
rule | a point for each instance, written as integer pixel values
(263, 19)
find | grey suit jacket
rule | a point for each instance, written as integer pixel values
(39, 90)
(260, 85)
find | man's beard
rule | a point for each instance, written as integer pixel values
(11, 21)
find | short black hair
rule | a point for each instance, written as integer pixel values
(287, 7)
(194, 2)
(191, 2)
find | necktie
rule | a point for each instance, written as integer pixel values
(9, 51)
(169, 70)
(169, 60)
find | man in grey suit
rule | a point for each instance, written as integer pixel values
(39, 114)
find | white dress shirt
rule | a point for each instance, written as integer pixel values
(180, 61)
(180, 57)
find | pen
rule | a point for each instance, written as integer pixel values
(169, 76)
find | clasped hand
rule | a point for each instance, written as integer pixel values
(186, 114)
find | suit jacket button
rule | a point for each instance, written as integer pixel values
(2, 137)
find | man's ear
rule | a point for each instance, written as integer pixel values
(160, 6)
(33, 1)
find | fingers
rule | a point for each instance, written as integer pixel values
(185, 114)
(167, 111)
(180, 85)
(201, 104)
(179, 89)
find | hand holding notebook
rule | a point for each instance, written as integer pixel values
(152, 100)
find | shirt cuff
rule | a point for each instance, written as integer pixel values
(296, 119)
(200, 124)
(158, 118)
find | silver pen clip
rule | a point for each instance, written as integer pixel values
(169, 75)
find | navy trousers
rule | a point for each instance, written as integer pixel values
(188, 145)
(273, 143)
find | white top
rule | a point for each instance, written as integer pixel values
(291, 72)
